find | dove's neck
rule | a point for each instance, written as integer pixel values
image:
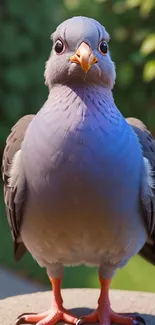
(83, 99)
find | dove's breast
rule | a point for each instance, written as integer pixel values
(83, 169)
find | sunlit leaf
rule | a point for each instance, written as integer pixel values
(146, 7)
(133, 3)
(71, 4)
(149, 71)
(148, 44)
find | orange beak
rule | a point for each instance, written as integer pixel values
(84, 56)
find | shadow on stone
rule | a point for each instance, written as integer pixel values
(142, 319)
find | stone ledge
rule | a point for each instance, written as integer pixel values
(12, 284)
(81, 301)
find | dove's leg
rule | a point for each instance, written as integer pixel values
(104, 314)
(53, 316)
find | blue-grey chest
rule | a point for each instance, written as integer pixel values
(79, 147)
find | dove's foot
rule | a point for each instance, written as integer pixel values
(104, 314)
(53, 316)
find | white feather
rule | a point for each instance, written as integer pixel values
(15, 169)
(149, 173)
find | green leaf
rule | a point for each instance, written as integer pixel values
(148, 44)
(125, 75)
(151, 119)
(15, 77)
(13, 107)
(120, 34)
(4, 132)
(140, 34)
(119, 7)
(149, 71)
(137, 58)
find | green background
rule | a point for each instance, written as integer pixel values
(25, 28)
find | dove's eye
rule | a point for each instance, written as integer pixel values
(59, 46)
(103, 47)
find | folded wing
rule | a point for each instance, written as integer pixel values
(148, 188)
(14, 182)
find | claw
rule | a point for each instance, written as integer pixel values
(79, 321)
(139, 321)
(25, 314)
(21, 320)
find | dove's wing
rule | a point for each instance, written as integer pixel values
(14, 182)
(148, 198)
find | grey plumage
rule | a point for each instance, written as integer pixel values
(13, 144)
(80, 187)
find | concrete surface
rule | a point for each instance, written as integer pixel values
(81, 301)
(12, 285)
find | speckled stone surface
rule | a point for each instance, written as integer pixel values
(81, 301)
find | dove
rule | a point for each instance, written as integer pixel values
(78, 176)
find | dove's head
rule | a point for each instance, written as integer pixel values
(80, 54)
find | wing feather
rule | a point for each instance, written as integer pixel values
(14, 182)
(148, 194)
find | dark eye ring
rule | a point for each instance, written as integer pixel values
(103, 47)
(59, 46)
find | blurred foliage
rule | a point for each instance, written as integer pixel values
(25, 28)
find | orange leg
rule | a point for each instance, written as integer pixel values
(51, 317)
(104, 314)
